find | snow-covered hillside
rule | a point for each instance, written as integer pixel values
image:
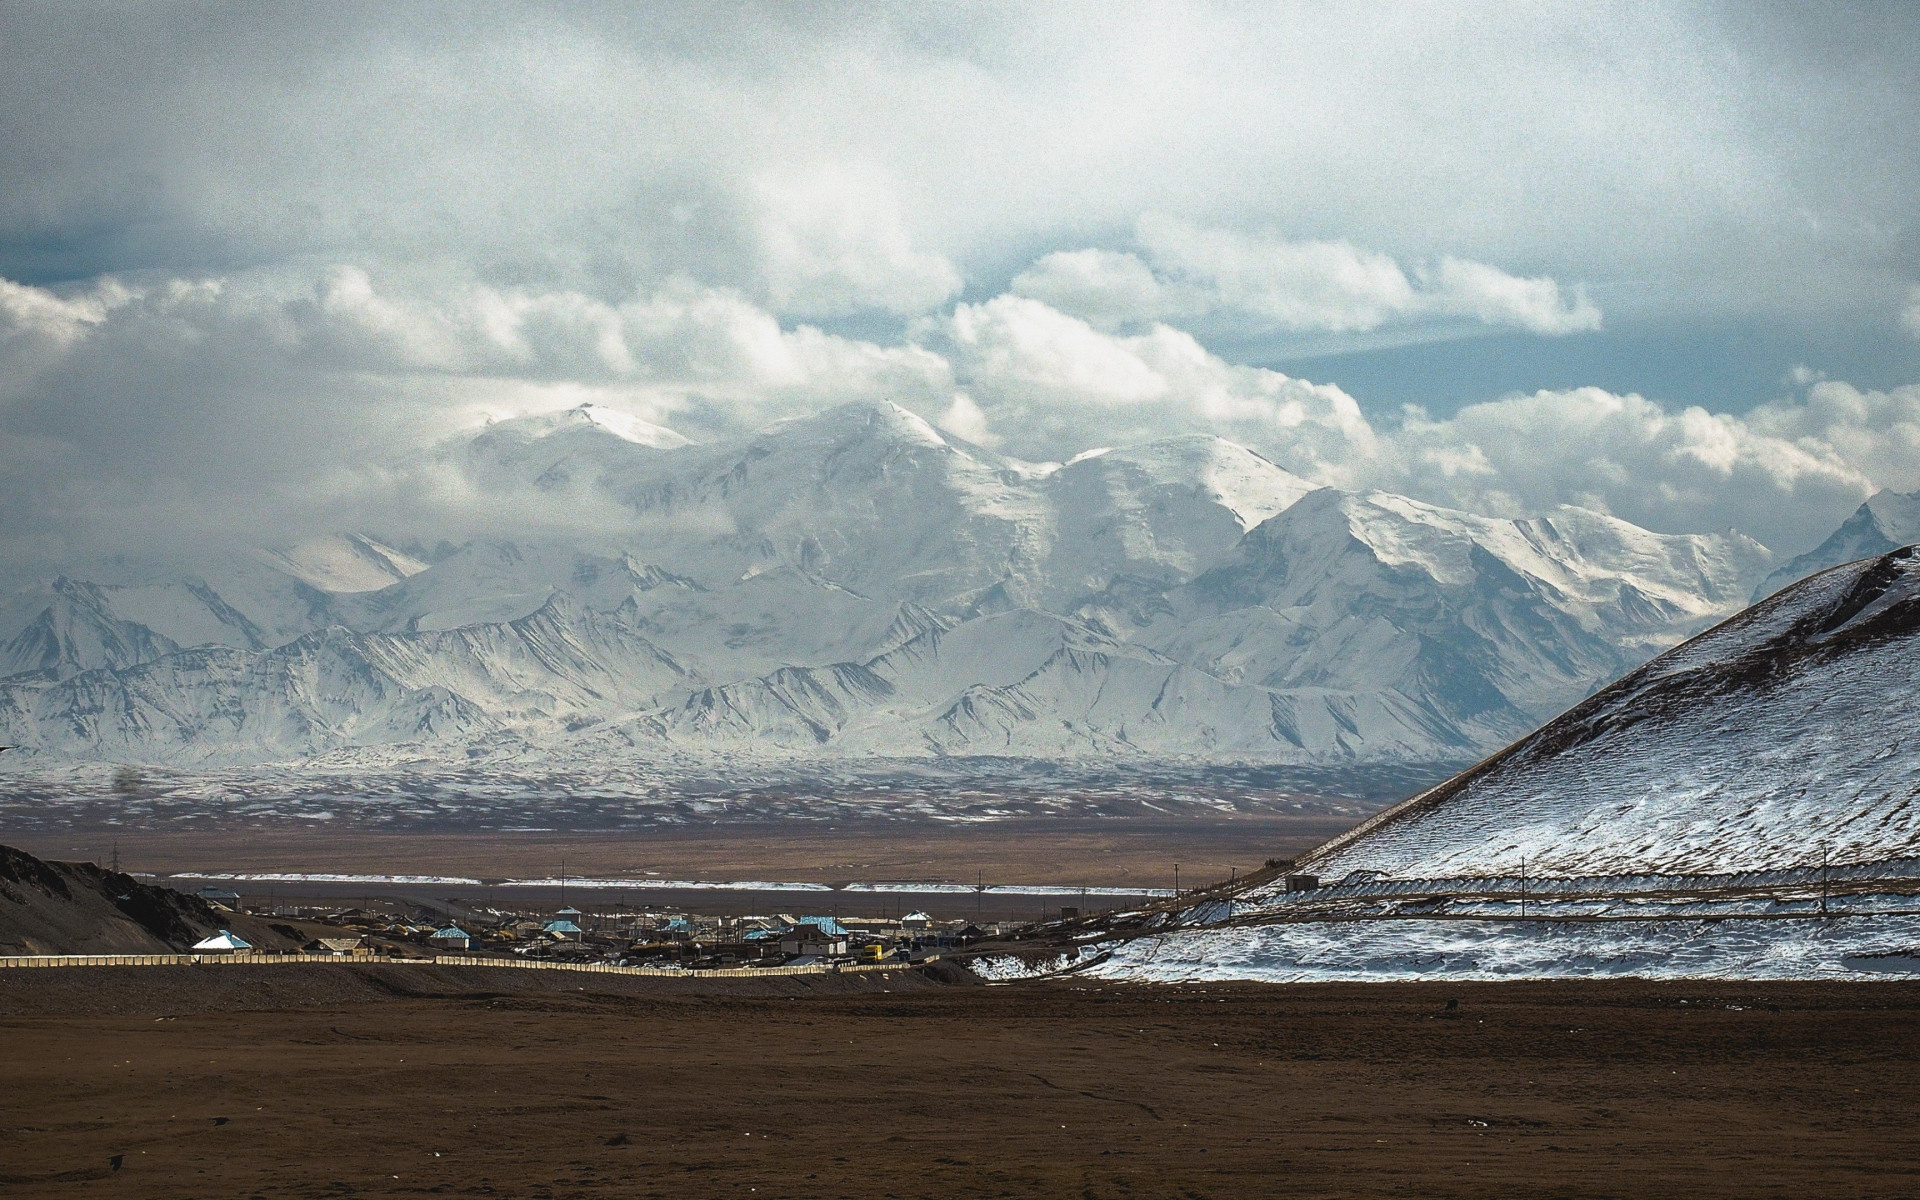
(858, 582)
(1787, 734)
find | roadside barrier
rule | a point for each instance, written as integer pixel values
(438, 960)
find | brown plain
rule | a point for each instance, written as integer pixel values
(413, 1081)
(1116, 852)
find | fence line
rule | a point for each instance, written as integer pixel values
(438, 960)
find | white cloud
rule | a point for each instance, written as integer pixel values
(1052, 384)
(1876, 433)
(31, 312)
(37, 325)
(824, 166)
(1022, 348)
(1330, 286)
(964, 419)
(1490, 295)
(511, 210)
(1785, 472)
(247, 405)
(261, 405)
(1270, 283)
(1106, 288)
(834, 243)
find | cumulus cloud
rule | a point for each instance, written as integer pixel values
(1330, 286)
(1784, 472)
(964, 419)
(1458, 287)
(263, 404)
(840, 164)
(1106, 288)
(835, 244)
(1265, 282)
(713, 217)
(37, 325)
(1051, 384)
(256, 407)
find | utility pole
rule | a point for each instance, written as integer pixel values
(1176, 881)
(563, 881)
(1523, 887)
(1823, 878)
(1232, 880)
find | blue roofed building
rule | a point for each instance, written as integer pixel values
(451, 938)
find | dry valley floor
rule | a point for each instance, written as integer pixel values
(413, 1081)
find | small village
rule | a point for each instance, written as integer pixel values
(621, 936)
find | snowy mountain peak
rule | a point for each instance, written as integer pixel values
(585, 418)
(880, 426)
(855, 581)
(343, 562)
(1583, 556)
(1222, 472)
(1897, 514)
(1886, 521)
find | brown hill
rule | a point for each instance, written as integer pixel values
(82, 908)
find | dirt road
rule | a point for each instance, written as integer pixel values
(407, 1081)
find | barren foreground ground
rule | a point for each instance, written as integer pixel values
(390, 1081)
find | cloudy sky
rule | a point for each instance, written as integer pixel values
(1657, 259)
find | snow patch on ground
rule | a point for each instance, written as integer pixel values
(1359, 951)
(1006, 968)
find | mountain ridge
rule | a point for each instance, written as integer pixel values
(857, 582)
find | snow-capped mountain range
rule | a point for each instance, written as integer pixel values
(859, 583)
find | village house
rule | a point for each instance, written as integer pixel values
(451, 938)
(220, 897)
(337, 946)
(811, 940)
